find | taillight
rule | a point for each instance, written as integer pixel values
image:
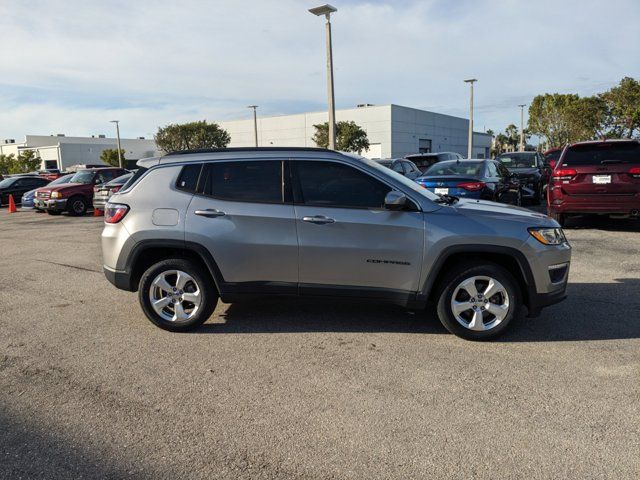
(114, 212)
(472, 186)
(116, 188)
(95, 189)
(635, 172)
(564, 173)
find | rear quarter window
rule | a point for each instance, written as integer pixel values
(188, 179)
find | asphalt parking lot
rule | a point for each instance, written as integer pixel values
(289, 389)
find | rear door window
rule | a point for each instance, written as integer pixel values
(257, 181)
(602, 154)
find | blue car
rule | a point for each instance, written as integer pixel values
(473, 178)
(27, 198)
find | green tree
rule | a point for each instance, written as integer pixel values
(623, 108)
(25, 162)
(350, 137)
(566, 118)
(110, 157)
(193, 135)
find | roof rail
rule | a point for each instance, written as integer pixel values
(250, 149)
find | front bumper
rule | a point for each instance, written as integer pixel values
(56, 205)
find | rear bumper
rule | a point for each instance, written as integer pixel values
(616, 204)
(119, 279)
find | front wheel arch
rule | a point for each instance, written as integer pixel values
(507, 257)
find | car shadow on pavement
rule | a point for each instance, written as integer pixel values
(602, 223)
(592, 311)
(295, 315)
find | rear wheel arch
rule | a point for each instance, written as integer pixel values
(510, 258)
(146, 253)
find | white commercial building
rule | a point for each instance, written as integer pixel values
(60, 151)
(393, 131)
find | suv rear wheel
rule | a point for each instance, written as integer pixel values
(478, 302)
(177, 295)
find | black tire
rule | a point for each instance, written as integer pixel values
(559, 217)
(201, 280)
(54, 212)
(77, 206)
(479, 269)
(518, 201)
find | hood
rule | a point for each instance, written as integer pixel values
(488, 209)
(66, 186)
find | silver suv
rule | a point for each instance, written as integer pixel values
(233, 224)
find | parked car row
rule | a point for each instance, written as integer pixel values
(73, 193)
(585, 178)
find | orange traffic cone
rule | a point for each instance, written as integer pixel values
(97, 212)
(12, 205)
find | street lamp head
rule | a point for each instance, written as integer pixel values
(325, 10)
(471, 80)
(114, 121)
(252, 106)
(523, 105)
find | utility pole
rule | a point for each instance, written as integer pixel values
(117, 122)
(255, 123)
(327, 10)
(470, 81)
(522, 126)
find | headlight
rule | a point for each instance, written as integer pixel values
(548, 236)
(56, 195)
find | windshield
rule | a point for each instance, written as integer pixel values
(60, 180)
(134, 178)
(602, 153)
(385, 163)
(518, 160)
(7, 182)
(415, 187)
(473, 169)
(84, 176)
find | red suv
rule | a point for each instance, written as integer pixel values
(601, 177)
(76, 195)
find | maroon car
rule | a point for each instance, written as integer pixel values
(76, 195)
(600, 177)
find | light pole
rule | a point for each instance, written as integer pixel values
(470, 81)
(522, 126)
(117, 122)
(255, 123)
(327, 10)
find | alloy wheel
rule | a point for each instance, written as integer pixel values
(480, 303)
(175, 296)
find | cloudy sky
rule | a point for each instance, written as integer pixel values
(70, 66)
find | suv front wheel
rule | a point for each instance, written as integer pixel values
(477, 302)
(177, 295)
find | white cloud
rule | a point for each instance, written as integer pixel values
(71, 66)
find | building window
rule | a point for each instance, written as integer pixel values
(424, 145)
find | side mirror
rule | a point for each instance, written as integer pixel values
(395, 200)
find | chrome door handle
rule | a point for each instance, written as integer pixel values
(210, 212)
(318, 219)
